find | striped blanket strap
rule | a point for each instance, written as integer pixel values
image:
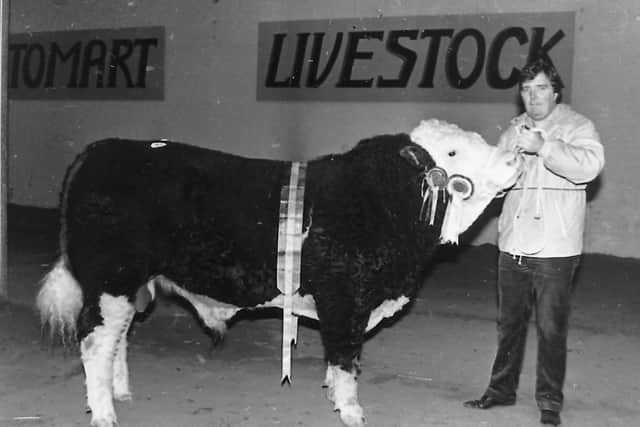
(289, 250)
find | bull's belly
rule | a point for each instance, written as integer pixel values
(215, 313)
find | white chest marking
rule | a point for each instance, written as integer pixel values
(306, 307)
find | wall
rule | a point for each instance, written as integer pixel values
(210, 95)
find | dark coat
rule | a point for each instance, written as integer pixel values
(208, 221)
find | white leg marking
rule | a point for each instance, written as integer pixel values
(343, 392)
(121, 389)
(329, 382)
(98, 350)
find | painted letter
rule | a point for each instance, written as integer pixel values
(298, 61)
(432, 54)
(118, 61)
(453, 71)
(144, 59)
(407, 56)
(274, 61)
(17, 50)
(313, 80)
(494, 79)
(89, 62)
(537, 48)
(352, 54)
(34, 81)
(54, 53)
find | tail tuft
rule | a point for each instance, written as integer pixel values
(59, 302)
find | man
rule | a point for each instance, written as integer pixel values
(540, 238)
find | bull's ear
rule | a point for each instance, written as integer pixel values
(416, 156)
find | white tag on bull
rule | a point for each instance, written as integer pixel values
(289, 251)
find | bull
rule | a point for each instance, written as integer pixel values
(138, 216)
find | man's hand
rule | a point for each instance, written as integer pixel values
(530, 140)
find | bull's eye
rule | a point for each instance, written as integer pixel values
(452, 153)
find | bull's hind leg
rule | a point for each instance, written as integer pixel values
(121, 390)
(98, 349)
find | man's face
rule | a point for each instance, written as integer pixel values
(538, 97)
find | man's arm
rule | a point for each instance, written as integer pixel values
(580, 159)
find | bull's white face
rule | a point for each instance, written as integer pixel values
(464, 153)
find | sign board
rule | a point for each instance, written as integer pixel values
(448, 58)
(125, 63)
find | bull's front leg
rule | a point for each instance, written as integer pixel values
(343, 334)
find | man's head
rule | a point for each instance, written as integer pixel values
(540, 88)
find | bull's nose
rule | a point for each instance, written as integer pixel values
(512, 161)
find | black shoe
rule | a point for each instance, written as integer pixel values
(548, 416)
(486, 402)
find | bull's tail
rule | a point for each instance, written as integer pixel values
(59, 302)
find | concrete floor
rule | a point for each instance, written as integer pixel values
(416, 372)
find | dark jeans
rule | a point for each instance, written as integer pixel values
(524, 284)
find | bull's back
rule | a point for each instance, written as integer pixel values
(205, 219)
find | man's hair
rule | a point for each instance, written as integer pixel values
(542, 64)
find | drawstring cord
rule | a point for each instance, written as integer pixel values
(538, 177)
(539, 165)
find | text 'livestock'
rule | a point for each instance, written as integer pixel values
(462, 58)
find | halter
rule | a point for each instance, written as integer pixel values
(459, 189)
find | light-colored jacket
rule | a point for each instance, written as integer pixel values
(544, 212)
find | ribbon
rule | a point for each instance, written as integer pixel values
(289, 251)
(434, 180)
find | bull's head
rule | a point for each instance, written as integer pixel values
(474, 171)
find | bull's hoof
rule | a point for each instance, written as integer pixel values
(217, 339)
(352, 416)
(330, 393)
(102, 418)
(104, 422)
(121, 391)
(123, 397)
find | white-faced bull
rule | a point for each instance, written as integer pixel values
(138, 216)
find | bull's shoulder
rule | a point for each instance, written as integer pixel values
(368, 190)
(380, 151)
(383, 143)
